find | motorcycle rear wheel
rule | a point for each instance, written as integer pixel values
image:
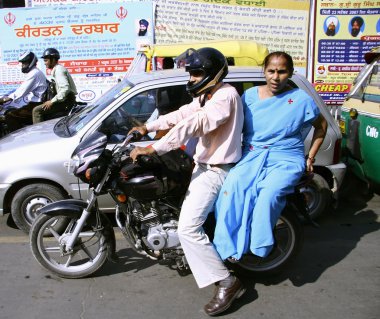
(46, 241)
(289, 237)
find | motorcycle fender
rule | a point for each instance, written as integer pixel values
(68, 207)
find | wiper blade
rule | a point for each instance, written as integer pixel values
(64, 123)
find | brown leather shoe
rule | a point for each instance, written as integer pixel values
(224, 297)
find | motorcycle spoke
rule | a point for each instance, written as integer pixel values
(52, 249)
(68, 262)
(53, 232)
(87, 252)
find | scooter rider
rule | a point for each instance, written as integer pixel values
(27, 96)
(215, 116)
(64, 84)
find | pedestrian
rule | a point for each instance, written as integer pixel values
(27, 96)
(276, 117)
(215, 116)
(66, 90)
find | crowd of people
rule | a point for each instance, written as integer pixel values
(246, 159)
(31, 102)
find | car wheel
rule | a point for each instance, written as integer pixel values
(29, 199)
(318, 196)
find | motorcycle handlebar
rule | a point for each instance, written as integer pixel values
(134, 136)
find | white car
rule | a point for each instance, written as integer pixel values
(34, 160)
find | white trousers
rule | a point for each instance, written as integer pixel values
(203, 259)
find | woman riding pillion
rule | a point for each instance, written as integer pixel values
(216, 117)
(254, 193)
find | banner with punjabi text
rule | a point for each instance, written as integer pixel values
(344, 32)
(278, 24)
(96, 46)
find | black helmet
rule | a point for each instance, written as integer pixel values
(28, 60)
(51, 53)
(211, 63)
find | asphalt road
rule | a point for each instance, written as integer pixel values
(336, 275)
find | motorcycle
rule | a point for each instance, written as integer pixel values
(73, 238)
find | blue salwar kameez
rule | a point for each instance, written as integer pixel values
(254, 193)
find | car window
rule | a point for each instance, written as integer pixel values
(70, 125)
(145, 107)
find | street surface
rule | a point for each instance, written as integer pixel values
(336, 276)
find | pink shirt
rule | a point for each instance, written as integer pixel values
(218, 125)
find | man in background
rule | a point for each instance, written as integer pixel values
(27, 96)
(65, 98)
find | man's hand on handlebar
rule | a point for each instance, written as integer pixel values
(137, 151)
(141, 129)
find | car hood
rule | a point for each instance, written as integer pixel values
(35, 147)
(31, 134)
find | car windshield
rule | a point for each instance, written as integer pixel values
(71, 125)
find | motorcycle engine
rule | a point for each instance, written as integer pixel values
(158, 225)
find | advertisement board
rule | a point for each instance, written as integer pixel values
(280, 25)
(344, 31)
(96, 46)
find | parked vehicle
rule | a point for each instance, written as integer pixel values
(34, 160)
(237, 52)
(360, 122)
(73, 238)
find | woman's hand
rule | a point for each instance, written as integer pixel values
(309, 164)
(320, 129)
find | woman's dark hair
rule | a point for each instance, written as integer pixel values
(287, 57)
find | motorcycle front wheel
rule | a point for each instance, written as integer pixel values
(48, 247)
(288, 234)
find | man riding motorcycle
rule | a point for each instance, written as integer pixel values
(65, 98)
(27, 96)
(216, 117)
